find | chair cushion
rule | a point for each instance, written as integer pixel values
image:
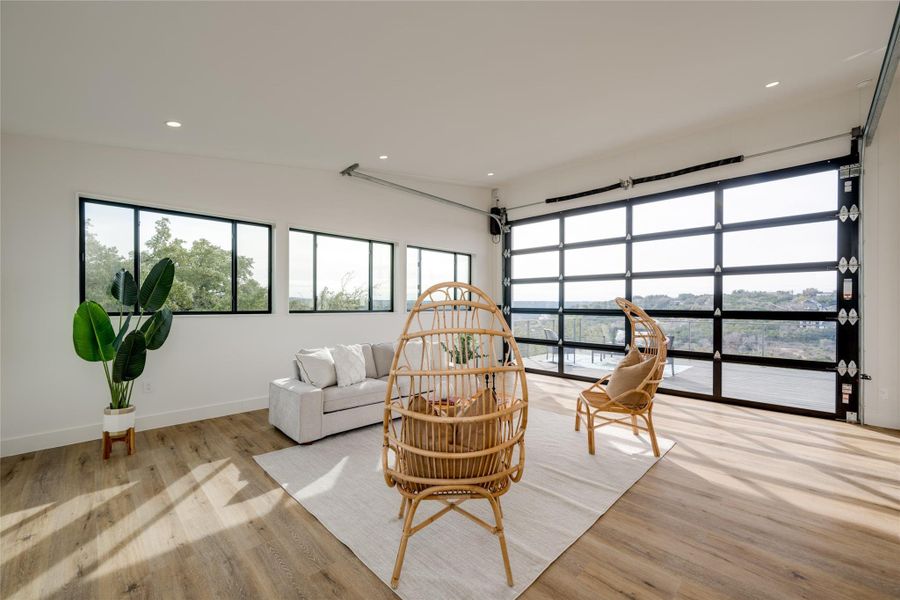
(634, 357)
(435, 437)
(383, 355)
(316, 367)
(471, 437)
(349, 364)
(368, 391)
(628, 377)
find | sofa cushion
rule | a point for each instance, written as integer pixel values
(402, 383)
(316, 367)
(349, 364)
(384, 355)
(371, 369)
(368, 391)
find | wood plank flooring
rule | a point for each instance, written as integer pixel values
(749, 504)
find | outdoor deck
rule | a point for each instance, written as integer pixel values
(784, 387)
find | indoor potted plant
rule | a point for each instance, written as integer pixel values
(124, 353)
(464, 352)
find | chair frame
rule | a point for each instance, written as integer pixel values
(451, 303)
(648, 338)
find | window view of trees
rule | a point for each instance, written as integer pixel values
(802, 340)
(332, 273)
(108, 247)
(200, 248)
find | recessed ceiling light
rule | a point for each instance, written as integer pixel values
(772, 84)
(175, 124)
(490, 174)
(383, 157)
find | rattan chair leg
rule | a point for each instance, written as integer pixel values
(498, 519)
(401, 552)
(652, 432)
(403, 502)
(578, 414)
(634, 427)
(590, 430)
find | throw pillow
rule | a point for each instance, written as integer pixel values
(628, 377)
(349, 364)
(371, 369)
(428, 436)
(633, 357)
(479, 435)
(384, 356)
(411, 356)
(316, 367)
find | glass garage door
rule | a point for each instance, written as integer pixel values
(754, 280)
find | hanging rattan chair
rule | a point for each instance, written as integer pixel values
(456, 410)
(648, 339)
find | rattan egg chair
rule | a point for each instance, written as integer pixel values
(648, 339)
(456, 410)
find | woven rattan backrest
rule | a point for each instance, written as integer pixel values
(649, 339)
(457, 403)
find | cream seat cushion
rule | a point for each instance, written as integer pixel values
(368, 391)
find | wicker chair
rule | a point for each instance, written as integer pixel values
(650, 341)
(454, 438)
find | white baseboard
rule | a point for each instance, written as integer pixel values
(84, 433)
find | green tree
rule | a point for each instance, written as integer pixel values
(203, 272)
(101, 263)
(344, 299)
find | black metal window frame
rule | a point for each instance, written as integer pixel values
(371, 243)
(847, 334)
(456, 256)
(137, 208)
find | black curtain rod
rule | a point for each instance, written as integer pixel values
(630, 182)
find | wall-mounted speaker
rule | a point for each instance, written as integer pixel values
(500, 213)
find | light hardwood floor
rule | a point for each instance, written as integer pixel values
(749, 504)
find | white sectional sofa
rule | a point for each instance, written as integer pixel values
(306, 413)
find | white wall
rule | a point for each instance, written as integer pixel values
(792, 125)
(210, 365)
(881, 268)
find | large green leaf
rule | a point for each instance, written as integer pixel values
(122, 331)
(92, 333)
(156, 287)
(124, 289)
(130, 358)
(156, 330)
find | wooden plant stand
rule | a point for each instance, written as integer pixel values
(126, 436)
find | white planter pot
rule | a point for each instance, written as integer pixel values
(118, 420)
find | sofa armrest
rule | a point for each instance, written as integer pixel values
(296, 408)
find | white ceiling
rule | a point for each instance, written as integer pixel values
(449, 91)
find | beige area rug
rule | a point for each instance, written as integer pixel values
(562, 494)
